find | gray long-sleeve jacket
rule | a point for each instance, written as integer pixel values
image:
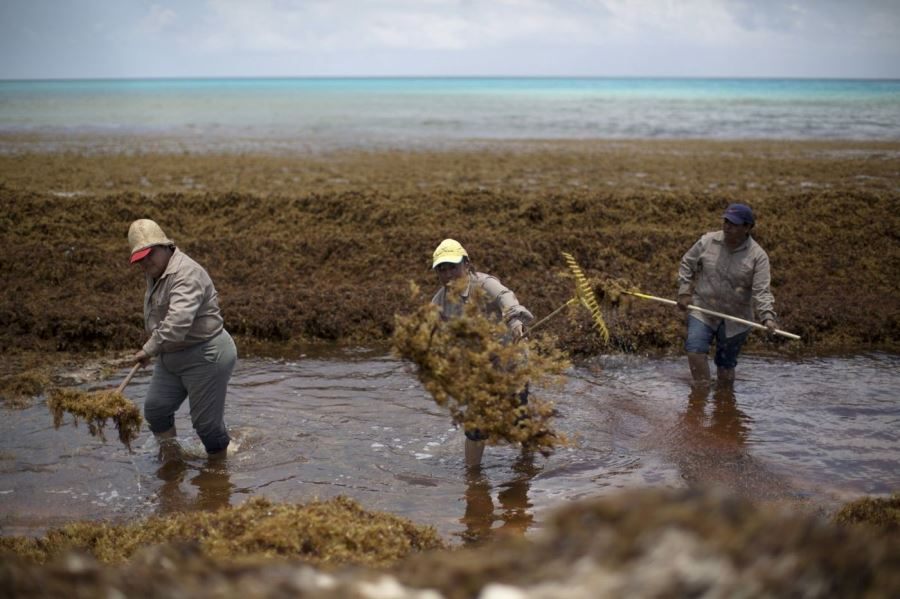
(734, 282)
(501, 303)
(181, 307)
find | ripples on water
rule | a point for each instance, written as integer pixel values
(358, 423)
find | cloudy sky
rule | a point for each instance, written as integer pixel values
(254, 38)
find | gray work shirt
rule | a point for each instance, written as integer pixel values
(734, 282)
(498, 301)
(181, 308)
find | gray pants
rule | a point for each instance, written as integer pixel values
(201, 373)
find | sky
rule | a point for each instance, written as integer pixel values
(72, 39)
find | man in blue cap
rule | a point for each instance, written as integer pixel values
(728, 272)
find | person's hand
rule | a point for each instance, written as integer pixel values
(516, 329)
(141, 358)
(684, 300)
(770, 324)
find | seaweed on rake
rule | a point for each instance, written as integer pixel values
(96, 408)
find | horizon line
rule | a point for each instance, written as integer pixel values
(522, 77)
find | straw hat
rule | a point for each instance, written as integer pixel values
(449, 250)
(143, 234)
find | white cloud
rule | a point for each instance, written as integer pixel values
(294, 25)
(768, 15)
(341, 37)
(158, 19)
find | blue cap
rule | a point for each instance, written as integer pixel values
(739, 214)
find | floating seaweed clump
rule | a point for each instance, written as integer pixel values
(334, 532)
(468, 368)
(96, 408)
(16, 390)
(882, 513)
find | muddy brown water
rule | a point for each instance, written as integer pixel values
(355, 422)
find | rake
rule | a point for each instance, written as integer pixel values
(584, 295)
(750, 323)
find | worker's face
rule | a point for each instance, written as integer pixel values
(154, 264)
(735, 234)
(447, 271)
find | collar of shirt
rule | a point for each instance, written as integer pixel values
(171, 267)
(719, 238)
(465, 294)
(174, 263)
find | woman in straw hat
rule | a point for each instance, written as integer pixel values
(451, 263)
(194, 353)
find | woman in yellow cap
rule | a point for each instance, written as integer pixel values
(451, 263)
(194, 353)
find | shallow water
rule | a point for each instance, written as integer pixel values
(321, 113)
(814, 432)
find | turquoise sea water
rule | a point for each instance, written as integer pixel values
(400, 111)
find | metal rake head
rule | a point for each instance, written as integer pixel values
(586, 297)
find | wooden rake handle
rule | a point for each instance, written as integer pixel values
(574, 300)
(713, 313)
(127, 380)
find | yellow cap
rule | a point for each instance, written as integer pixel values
(449, 250)
(144, 233)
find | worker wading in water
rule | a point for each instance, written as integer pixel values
(451, 263)
(194, 354)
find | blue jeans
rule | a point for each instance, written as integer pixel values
(700, 337)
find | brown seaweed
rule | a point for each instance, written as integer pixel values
(658, 543)
(17, 390)
(95, 409)
(341, 234)
(881, 513)
(468, 368)
(639, 543)
(328, 533)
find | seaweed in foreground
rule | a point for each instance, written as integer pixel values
(881, 513)
(96, 408)
(327, 533)
(466, 366)
(656, 543)
(641, 543)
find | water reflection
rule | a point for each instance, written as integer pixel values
(514, 511)
(726, 424)
(211, 481)
(713, 451)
